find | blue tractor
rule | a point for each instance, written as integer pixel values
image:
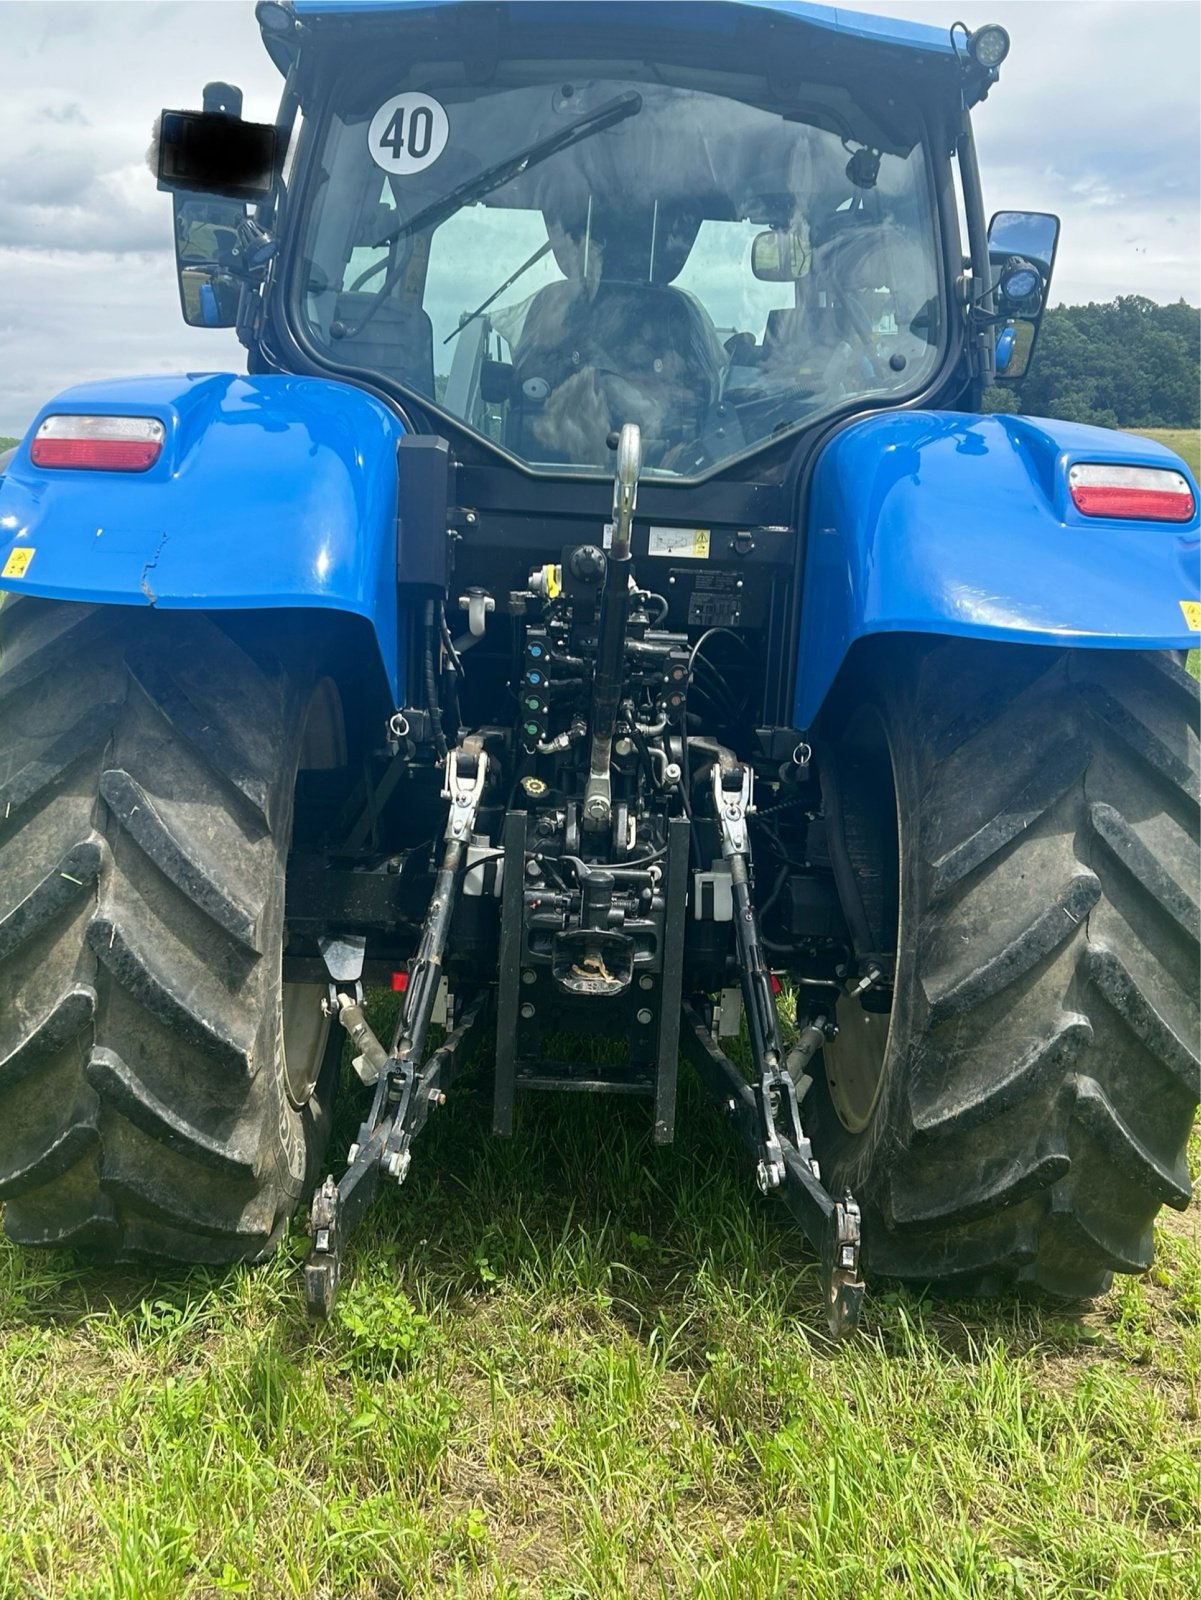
(600, 606)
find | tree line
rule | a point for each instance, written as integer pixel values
(1128, 363)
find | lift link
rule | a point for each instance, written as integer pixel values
(774, 1129)
(404, 1091)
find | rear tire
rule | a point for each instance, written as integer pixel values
(147, 770)
(1038, 1074)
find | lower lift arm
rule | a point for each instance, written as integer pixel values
(766, 1109)
(405, 1089)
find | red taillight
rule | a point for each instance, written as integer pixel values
(400, 982)
(105, 444)
(1139, 494)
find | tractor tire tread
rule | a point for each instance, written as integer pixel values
(1040, 1091)
(145, 806)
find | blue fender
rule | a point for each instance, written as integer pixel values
(936, 522)
(270, 492)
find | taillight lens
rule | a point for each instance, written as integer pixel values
(1142, 494)
(106, 444)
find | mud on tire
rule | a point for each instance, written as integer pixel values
(147, 771)
(1041, 1072)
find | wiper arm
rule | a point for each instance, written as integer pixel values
(612, 112)
(532, 261)
(494, 177)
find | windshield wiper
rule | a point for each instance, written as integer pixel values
(531, 261)
(613, 111)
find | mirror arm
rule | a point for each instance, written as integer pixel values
(983, 318)
(973, 205)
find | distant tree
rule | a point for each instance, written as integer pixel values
(998, 398)
(1129, 363)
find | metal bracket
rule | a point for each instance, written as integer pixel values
(464, 788)
(343, 957)
(733, 804)
(477, 603)
(844, 1286)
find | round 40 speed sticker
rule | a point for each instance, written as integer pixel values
(408, 133)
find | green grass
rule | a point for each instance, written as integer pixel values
(573, 1364)
(7, 444)
(1185, 441)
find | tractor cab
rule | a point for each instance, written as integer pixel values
(530, 225)
(668, 254)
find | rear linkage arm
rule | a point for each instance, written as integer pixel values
(404, 1090)
(766, 1109)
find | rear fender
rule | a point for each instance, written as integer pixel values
(271, 492)
(938, 523)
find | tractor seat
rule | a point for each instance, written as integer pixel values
(614, 344)
(588, 361)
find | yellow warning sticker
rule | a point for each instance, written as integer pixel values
(1192, 614)
(18, 561)
(688, 544)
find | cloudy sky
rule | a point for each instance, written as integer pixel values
(1097, 116)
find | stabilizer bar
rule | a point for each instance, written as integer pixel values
(404, 1090)
(767, 1110)
(403, 1101)
(831, 1226)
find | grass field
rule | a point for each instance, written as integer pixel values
(576, 1365)
(1185, 441)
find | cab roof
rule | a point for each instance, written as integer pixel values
(714, 16)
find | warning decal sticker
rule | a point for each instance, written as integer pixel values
(689, 544)
(18, 561)
(1192, 614)
(408, 133)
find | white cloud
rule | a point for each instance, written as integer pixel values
(72, 318)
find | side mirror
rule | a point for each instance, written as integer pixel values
(496, 382)
(213, 165)
(1021, 256)
(206, 233)
(780, 256)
